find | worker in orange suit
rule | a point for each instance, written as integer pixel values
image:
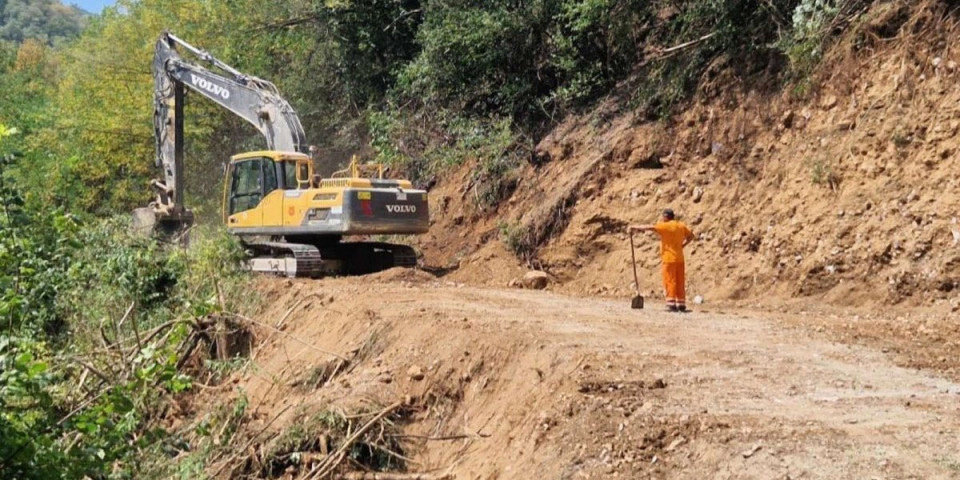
(674, 235)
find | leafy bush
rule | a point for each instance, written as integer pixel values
(514, 236)
(26, 411)
(73, 295)
(35, 251)
(822, 173)
(594, 43)
(477, 59)
(50, 431)
(493, 143)
(804, 45)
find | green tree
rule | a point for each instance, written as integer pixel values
(103, 131)
(480, 59)
(331, 60)
(46, 20)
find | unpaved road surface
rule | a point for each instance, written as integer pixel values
(551, 386)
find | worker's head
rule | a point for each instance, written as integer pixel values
(668, 214)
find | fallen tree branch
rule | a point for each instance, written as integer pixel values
(126, 315)
(394, 454)
(334, 460)
(92, 369)
(393, 476)
(442, 437)
(136, 330)
(296, 304)
(670, 51)
(83, 404)
(190, 343)
(291, 337)
(688, 44)
(249, 443)
(148, 336)
(294, 307)
(220, 327)
(126, 363)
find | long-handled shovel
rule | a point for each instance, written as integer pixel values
(637, 301)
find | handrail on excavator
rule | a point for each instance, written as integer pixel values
(357, 170)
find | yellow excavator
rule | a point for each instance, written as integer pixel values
(292, 222)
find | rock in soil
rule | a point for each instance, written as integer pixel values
(535, 280)
(415, 373)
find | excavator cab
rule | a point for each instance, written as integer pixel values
(257, 183)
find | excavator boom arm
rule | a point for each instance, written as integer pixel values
(253, 99)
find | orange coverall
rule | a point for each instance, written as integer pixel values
(672, 235)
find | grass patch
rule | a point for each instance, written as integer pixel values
(823, 174)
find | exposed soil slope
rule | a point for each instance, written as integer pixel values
(848, 193)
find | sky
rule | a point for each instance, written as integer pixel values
(92, 6)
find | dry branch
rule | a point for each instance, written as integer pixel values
(295, 305)
(93, 369)
(333, 461)
(220, 329)
(190, 343)
(663, 54)
(148, 336)
(442, 437)
(393, 476)
(249, 443)
(688, 44)
(291, 337)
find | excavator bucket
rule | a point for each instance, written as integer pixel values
(172, 227)
(144, 220)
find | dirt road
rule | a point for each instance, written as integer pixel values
(538, 385)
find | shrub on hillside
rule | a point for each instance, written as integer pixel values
(92, 322)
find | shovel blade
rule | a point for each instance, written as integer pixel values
(637, 302)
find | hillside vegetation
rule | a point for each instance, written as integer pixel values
(423, 85)
(809, 143)
(838, 186)
(47, 21)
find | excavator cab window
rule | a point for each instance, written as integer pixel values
(289, 174)
(269, 176)
(296, 174)
(246, 188)
(303, 175)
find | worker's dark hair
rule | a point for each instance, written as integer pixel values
(668, 214)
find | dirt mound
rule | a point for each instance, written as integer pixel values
(845, 193)
(401, 274)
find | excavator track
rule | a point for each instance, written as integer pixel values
(345, 258)
(288, 259)
(358, 258)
